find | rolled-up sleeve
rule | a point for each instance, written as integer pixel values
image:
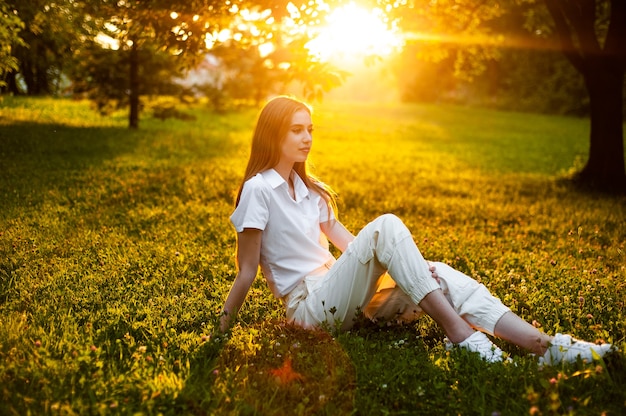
(253, 208)
(326, 211)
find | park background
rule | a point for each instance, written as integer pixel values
(494, 137)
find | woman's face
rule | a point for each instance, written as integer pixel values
(297, 144)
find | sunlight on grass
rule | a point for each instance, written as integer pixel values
(116, 254)
(49, 110)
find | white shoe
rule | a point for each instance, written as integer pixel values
(479, 343)
(564, 349)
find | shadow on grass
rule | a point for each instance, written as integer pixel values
(100, 166)
(39, 158)
(583, 186)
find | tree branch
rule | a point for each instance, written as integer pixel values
(585, 27)
(565, 33)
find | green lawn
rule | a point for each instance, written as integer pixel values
(116, 254)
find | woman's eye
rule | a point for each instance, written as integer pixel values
(296, 131)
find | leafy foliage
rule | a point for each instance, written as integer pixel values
(149, 44)
(10, 30)
(51, 33)
(102, 76)
(116, 255)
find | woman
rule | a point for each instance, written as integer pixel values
(284, 218)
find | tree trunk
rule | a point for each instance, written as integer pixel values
(11, 86)
(28, 75)
(605, 169)
(133, 115)
(602, 65)
(41, 66)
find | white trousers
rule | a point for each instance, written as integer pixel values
(383, 274)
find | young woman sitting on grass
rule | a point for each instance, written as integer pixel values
(284, 218)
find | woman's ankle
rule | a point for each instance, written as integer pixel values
(460, 334)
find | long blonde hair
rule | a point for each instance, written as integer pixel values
(271, 129)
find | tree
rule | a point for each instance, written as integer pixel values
(102, 74)
(137, 28)
(592, 35)
(593, 38)
(186, 29)
(52, 32)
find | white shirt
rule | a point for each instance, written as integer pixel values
(292, 244)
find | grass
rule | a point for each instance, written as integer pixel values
(116, 254)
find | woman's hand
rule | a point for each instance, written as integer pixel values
(433, 272)
(225, 323)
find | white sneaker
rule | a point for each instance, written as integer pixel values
(564, 349)
(479, 343)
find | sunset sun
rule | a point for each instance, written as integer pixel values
(352, 31)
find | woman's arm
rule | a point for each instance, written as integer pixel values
(248, 256)
(337, 234)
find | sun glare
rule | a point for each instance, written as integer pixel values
(352, 31)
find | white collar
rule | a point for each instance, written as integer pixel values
(275, 180)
